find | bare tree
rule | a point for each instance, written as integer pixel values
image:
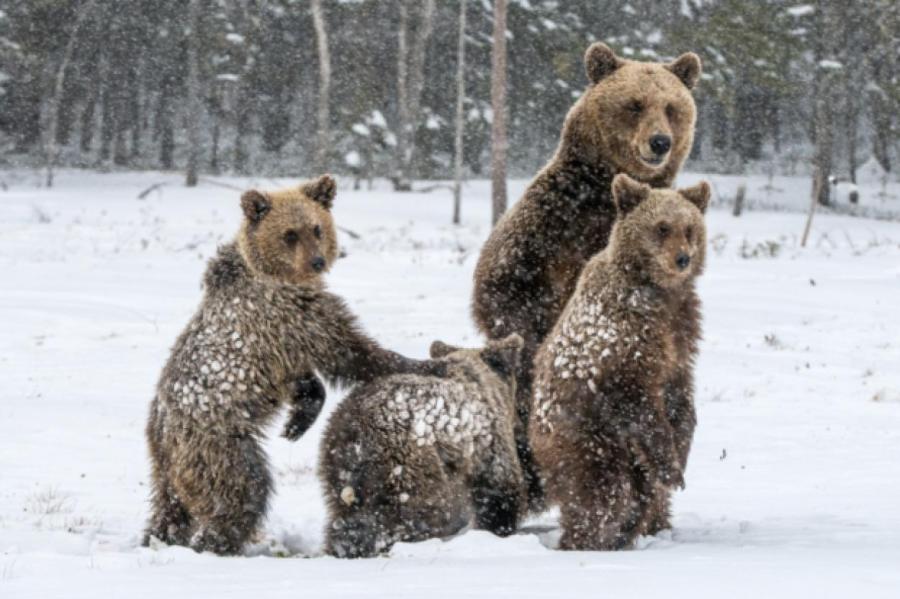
(194, 107)
(499, 143)
(460, 114)
(320, 163)
(410, 81)
(51, 117)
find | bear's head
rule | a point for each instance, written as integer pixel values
(494, 364)
(289, 234)
(659, 235)
(638, 116)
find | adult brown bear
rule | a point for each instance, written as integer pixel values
(635, 118)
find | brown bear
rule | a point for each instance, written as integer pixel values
(635, 118)
(407, 457)
(265, 322)
(613, 416)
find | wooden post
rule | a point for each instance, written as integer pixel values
(739, 200)
(818, 182)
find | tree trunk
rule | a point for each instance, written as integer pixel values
(499, 143)
(323, 115)
(135, 109)
(106, 121)
(51, 148)
(410, 82)
(460, 113)
(194, 108)
(164, 129)
(402, 96)
(87, 121)
(822, 153)
(823, 83)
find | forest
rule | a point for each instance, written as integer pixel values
(369, 87)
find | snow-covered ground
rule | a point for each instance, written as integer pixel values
(793, 483)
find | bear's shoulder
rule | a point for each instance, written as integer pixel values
(226, 270)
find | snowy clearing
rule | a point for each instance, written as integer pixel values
(792, 485)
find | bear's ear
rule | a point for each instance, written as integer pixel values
(628, 193)
(686, 67)
(439, 349)
(698, 195)
(600, 61)
(503, 355)
(321, 190)
(255, 205)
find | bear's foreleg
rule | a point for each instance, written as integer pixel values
(307, 399)
(499, 491)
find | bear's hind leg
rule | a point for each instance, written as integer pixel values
(596, 501)
(170, 521)
(232, 493)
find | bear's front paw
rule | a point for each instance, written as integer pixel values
(307, 399)
(307, 389)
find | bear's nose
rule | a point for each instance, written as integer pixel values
(660, 144)
(682, 261)
(318, 264)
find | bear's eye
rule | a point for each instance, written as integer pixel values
(689, 233)
(291, 237)
(663, 230)
(671, 112)
(317, 231)
(635, 107)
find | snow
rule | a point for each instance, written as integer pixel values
(801, 10)
(792, 484)
(352, 159)
(377, 119)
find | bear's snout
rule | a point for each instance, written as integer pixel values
(318, 264)
(660, 144)
(682, 260)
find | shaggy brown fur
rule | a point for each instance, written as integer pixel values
(614, 414)
(264, 322)
(409, 457)
(531, 262)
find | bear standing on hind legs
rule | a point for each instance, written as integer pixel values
(614, 416)
(264, 325)
(635, 118)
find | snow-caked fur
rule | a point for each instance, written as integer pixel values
(530, 264)
(613, 413)
(264, 324)
(407, 457)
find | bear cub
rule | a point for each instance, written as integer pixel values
(614, 415)
(407, 457)
(264, 326)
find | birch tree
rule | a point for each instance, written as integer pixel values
(194, 108)
(323, 115)
(499, 143)
(51, 118)
(460, 114)
(410, 81)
